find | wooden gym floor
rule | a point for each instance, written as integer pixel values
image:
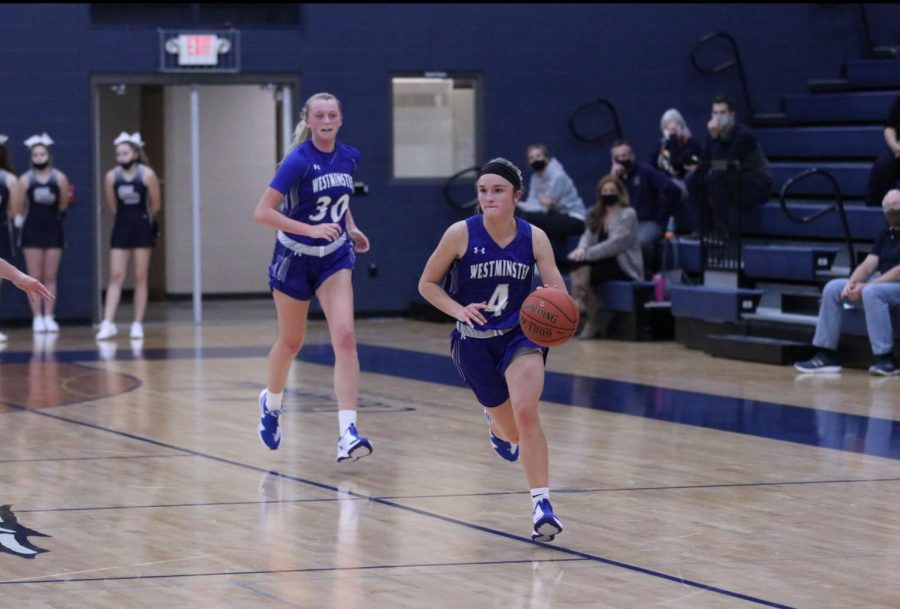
(683, 481)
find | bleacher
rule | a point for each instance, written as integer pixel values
(838, 128)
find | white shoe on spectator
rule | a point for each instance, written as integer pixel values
(107, 330)
(137, 330)
(50, 324)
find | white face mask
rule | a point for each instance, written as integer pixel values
(724, 121)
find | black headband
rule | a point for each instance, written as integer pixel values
(504, 171)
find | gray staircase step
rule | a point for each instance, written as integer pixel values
(853, 178)
(858, 107)
(873, 73)
(770, 120)
(757, 349)
(787, 262)
(834, 143)
(800, 303)
(822, 85)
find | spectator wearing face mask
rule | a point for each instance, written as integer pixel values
(653, 194)
(874, 284)
(676, 148)
(730, 161)
(608, 250)
(552, 203)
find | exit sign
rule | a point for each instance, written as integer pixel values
(198, 50)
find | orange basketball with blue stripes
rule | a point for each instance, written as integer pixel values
(549, 317)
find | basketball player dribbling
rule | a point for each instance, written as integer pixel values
(491, 258)
(314, 255)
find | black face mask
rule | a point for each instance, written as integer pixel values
(539, 165)
(608, 200)
(626, 164)
(41, 166)
(128, 165)
(893, 217)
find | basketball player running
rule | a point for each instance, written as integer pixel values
(491, 258)
(314, 254)
(132, 195)
(46, 192)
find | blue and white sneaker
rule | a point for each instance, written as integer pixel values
(507, 450)
(352, 446)
(269, 423)
(546, 525)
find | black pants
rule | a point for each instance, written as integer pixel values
(606, 269)
(883, 177)
(713, 196)
(559, 227)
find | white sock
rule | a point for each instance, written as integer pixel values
(346, 418)
(273, 400)
(537, 494)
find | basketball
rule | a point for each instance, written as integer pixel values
(549, 317)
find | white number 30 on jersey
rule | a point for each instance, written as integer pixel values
(337, 210)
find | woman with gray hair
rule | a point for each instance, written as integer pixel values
(676, 147)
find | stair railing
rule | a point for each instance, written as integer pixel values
(462, 179)
(734, 61)
(837, 205)
(582, 112)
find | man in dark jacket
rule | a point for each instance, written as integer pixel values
(732, 170)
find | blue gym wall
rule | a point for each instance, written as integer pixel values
(537, 62)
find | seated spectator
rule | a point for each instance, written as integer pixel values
(731, 164)
(676, 149)
(876, 284)
(654, 196)
(608, 250)
(886, 169)
(552, 202)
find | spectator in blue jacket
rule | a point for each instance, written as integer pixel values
(653, 195)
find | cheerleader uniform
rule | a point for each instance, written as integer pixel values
(43, 228)
(133, 227)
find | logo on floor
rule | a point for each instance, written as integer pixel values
(14, 537)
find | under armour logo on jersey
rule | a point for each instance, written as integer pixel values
(316, 167)
(477, 250)
(14, 537)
